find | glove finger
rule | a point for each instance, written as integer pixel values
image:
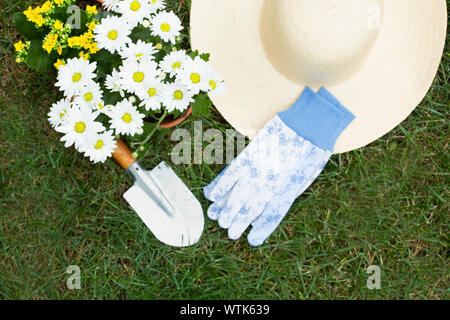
(215, 208)
(268, 221)
(213, 184)
(251, 210)
(223, 183)
(275, 211)
(236, 200)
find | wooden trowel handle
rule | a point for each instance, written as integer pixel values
(122, 154)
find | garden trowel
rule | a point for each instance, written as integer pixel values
(162, 201)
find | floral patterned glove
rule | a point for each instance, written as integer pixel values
(286, 156)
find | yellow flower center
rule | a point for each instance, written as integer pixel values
(135, 6)
(112, 35)
(139, 55)
(138, 76)
(176, 65)
(76, 77)
(178, 95)
(213, 84)
(127, 118)
(99, 144)
(152, 92)
(88, 97)
(195, 78)
(165, 27)
(80, 127)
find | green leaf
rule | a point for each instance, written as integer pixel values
(205, 57)
(111, 98)
(201, 106)
(149, 127)
(69, 53)
(103, 14)
(141, 33)
(106, 62)
(26, 28)
(107, 57)
(193, 54)
(84, 21)
(37, 58)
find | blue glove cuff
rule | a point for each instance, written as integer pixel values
(319, 118)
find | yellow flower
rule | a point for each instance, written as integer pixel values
(73, 42)
(29, 12)
(91, 9)
(59, 50)
(84, 55)
(59, 2)
(89, 35)
(83, 42)
(50, 42)
(34, 16)
(19, 46)
(59, 63)
(40, 21)
(93, 48)
(84, 39)
(46, 6)
(58, 25)
(92, 25)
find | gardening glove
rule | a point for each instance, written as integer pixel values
(286, 156)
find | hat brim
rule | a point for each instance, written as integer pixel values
(396, 76)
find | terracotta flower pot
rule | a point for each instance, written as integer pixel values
(172, 122)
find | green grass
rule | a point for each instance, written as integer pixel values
(385, 204)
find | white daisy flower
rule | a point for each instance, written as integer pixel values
(151, 95)
(101, 107)
(138, 51)
(79, 126)
(90, 95)
(58, 112)
(73, 76)
(194, 74)
(100, 147)
(135, 11)
(135, 74)
(113, 83)
(126, 119)
(216, 84)
(111, 4)
(166, 25)
(112, 33)
(177, 96)
(173, 62)
(157, 5)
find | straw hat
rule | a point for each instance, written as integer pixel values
(377, 57)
